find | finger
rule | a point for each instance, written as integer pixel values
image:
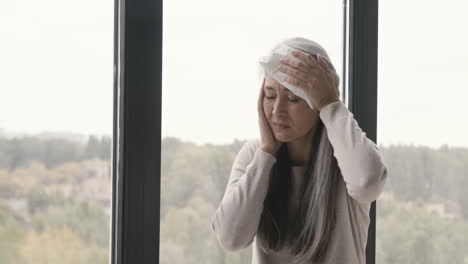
(298, 65)
(299, 74)
(260, 97)
(323, 63)
(308, 58)
(261, 87)
(297, 82)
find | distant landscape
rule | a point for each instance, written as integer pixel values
(55, 201)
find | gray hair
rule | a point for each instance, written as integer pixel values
(308, 236)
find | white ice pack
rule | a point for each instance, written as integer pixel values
(271, 63)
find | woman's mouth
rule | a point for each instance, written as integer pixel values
(280, 126)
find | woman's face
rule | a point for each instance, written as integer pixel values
(282, 106)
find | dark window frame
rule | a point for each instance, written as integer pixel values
(362, 84)
(136, 153)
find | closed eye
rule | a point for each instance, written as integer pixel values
(291, 100)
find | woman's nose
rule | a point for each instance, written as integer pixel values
(279, 106)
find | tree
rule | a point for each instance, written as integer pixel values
(11, 235)
(55, 245)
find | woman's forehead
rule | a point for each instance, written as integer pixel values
(272, 85)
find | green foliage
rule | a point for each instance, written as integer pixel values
(85, 219)
(19, 152)
(194, 179)
(7, 188)
(11, 236)
(55, 245)
(188, 228)
(98, 148)
(193, 171)
(414, 235)
(427, 175)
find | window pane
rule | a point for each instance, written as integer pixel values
(422, 215)
(56, 87)
(210, 91)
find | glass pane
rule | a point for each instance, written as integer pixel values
(211, 86)
(56, 87)
(422, 214)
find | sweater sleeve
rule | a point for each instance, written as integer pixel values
(358, 157)
(235, 221)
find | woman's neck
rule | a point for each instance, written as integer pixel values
(299, 150)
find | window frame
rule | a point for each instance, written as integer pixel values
(136, 148)
(362, 50)
(136, 163)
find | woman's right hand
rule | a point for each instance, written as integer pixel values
(268, 141)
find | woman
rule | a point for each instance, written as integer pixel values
(302, 192)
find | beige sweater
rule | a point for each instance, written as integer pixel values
(236, 219)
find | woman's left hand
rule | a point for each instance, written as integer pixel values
(314, 77)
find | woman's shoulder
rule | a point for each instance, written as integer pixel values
(253, 143)
(250, 147)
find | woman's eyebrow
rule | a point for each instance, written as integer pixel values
(268, 87)
(287, 91)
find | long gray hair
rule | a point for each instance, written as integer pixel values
(307, 236)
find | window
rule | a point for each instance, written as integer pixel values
(210, 91)
(55, 131)
(422, 215)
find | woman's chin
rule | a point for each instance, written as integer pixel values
(282, 138)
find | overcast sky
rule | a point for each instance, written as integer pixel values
(56, 66)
